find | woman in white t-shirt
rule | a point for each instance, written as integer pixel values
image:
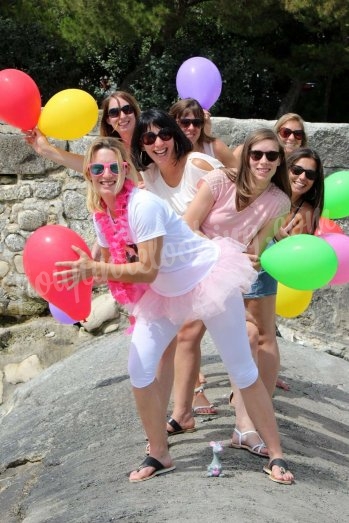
(177, 275)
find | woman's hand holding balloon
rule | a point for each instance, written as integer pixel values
(81, 269)
(38, 141)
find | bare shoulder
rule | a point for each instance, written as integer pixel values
(202, 164)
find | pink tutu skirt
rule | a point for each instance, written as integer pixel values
(232, 274)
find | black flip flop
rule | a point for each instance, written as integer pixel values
(152, 462)
(283, 467)
(177, 428)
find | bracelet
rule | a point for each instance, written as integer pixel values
(275, 239)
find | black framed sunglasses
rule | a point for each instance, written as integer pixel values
(297, 170)
(187, 122)
(271, 156)
(149, 137)
(114, 112)
(98, 168)
(285, 132)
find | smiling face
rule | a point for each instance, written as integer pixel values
(291, 143)
(124, 124)
(161, 151)
(263, 169)
(191, 131)
(107, 184)
(301, 184)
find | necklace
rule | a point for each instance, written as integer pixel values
(116, 232)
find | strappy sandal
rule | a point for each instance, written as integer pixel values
(255, 449)
(203, 410)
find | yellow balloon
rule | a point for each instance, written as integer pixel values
(291, 302)
(68, 115)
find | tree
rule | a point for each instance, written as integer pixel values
(269, 52)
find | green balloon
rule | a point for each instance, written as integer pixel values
(302, 262)
(336, 204)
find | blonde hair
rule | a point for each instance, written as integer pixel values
(286, 118)
(93, 200)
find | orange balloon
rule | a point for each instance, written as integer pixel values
(46, 246)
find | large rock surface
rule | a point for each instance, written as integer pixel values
(70, 436)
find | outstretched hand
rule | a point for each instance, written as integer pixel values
(37, 140)
(81, 269)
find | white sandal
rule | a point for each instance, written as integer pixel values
(256, 449)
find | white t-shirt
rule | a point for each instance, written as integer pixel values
(208, 148)
(179, 197)
(186, 257)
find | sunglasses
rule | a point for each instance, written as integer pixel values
(187, 122)
(114, 112)
(149, 137)
(98, 168)
(271, 156)
(284, 132)
(297, 170)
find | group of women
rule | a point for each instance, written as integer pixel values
(238, 201)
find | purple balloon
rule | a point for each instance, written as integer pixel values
(199, 78)
(60, 316)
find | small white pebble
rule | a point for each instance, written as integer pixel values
(50, 334)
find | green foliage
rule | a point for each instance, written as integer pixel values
(45, 58)
(268, 51)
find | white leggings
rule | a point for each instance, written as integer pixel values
(228, 332)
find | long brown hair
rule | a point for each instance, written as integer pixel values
(105, 129)
(182, 108)
(315, 195)
(243, 177)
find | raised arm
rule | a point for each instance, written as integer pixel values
(226, 155)
(42, 146)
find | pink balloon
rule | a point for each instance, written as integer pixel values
(327, 226)
(340, 244)
(199, 78)
(60, 316)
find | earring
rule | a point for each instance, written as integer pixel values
(144, 158)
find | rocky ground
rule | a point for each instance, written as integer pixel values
(70, 436)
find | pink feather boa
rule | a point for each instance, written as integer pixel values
(117, 235)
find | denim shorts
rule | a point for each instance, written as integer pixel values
(265, 285)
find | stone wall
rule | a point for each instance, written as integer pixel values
(36, 192)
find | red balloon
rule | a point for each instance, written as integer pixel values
(20, 99)
(327, 226)
(46, 246)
